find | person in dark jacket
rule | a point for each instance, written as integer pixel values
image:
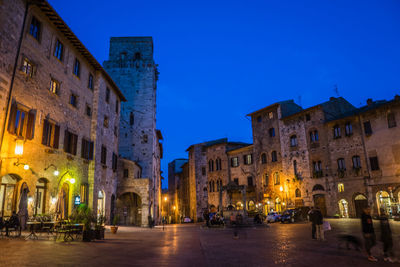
(386, 236)
(311, 215)
(318, 218)
(368, 232)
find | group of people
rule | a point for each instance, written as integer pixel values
(317, 231)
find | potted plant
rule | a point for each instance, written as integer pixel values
(114, 227)
(99, 227)
(83, 214)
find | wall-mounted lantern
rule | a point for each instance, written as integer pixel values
(19, 147)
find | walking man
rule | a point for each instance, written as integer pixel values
(386, 236)
(318, 218)
(311, 218)
(368, 232)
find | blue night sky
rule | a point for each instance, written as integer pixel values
(220, 60)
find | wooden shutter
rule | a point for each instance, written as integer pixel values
(11, 122)
(91, 146)
(30, 128)
(45, 132)
(83, 149)
(74, 143)
(66, 141)
(56, 139)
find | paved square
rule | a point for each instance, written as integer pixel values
(193, 245)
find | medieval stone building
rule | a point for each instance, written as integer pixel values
(59, 120)
(131, 65)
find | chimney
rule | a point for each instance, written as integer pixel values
(369, 101)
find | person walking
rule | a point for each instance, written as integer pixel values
(368, 232)
(318, 218)
(311, 218)
(386, 236)
(206, 216)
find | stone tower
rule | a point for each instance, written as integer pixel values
(131, 66)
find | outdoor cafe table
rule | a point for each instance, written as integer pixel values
(70, 230)
(32, 235)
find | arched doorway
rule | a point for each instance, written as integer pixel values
(40, 196)
(384, 202)
(344, 208)
(319, 201)
(62, 204)
(278, 205)
(8, 194)
(101, 201)
(129, 208)
(360, 203)
(251, 205)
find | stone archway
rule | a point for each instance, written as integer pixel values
(129, 209)
(8, 194)
(343, 208)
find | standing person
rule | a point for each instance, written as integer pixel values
(311, 218)
(368, 232)
(206, 216)
(386, 236)
(318, 218)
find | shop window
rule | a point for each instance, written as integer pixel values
(40, 197)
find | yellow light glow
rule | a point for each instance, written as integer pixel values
(56, 173)
(19, 147)
(283, 204)
(165, 198)
(30, 200)
(26, 167)
(281, 188)
(174, 207)
(53, 200)
(72, 180)
(268, 202)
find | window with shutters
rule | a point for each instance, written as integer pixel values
(103, 158)
(70, 142)
(87, 149)
(391, 120)
(367, 128)
(341, 164)
(54, 86)
(248, 159)
(35, 28)
(77, 68)
(356, 162)
(114, 162)
(374, 163)
(314, 136)
(90, 81)
(348, 129)
(51, 134)
(236, 181)
(27, 67)
(21, 122)
(59, 50)
(235, 161)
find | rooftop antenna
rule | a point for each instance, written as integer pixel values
(336, 90)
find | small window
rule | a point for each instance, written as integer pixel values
(126, 173)
(348, 129)
(367, 128)
(236, 181)
(218, 164)
(88, 111)
(336, 132)
(90, 81)
(107, 95)
(263, 158)
(59, 50)
(274, 157)
(341, 164)
(340, 188)
(277, 179)
(77, 68)
(70, 142)
(87, 149)
(114, 162)
(131, 118)
(35, 28)
(73, 100)
(374, 163)
(271, 115)
(356, 162)
(210, 165)
(250, 181)
(317, 166)
(308, 117)
(298, 193)
(391, 120)
(54, 86)
(295, 167)
(103, 158)
(235, 161)
(51, 134)
(314, 136)
(145, 138)
(116, 106)
(203, 171)
(271, 132)
(106, 122)
(248, 159)
(259, 119)
(27, 67)
(293, 141)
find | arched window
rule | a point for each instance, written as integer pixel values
(340, 188)
(210, 165)
(314, 136)
(293, 141)
(318, 187)
(274, 157)
(298, 193)
(131, 118)
(277, 179)
(263, 158)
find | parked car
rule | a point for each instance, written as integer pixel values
(187, 220)
(290, 216)
(273, 217)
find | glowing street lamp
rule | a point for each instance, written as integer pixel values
(19, 147)
(281, 188)
(56, 172)
(26, 167)
(72, 180)
(165, 198)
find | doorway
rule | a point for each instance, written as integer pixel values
(319, 201)
(360, 203)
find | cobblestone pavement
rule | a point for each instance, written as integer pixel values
(193, 245)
